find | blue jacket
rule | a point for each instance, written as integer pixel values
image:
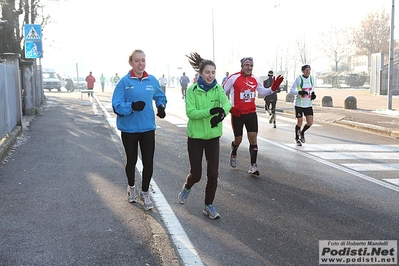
(131, 89)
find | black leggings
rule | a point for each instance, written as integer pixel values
(147, 146)
(270, 105)
(196, 149)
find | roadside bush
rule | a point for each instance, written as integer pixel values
(356, 80)
(330, 78)
(350, 79)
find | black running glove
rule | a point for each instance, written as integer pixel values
(216, 119)
(161, 111)
(303, 93)
(138, 106)
(216, 110)
(313, 96)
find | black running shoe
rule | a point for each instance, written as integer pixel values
(302, 137)
(298, 142)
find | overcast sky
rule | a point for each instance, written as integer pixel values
(99, 36)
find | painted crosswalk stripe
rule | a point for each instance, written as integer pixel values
(364, 167)
(350, 147)
(357, 155)
(394, 181)
(177, 121)
(261, 118)
(299, 150)
(359, 152)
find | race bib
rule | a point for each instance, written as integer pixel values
(247, 96)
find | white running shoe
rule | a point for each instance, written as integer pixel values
(131, 194)
(145, 197)
(210, 211)
(182, 197)
(253, 170)
(233, 161)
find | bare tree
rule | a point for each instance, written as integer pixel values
(336, 45)
(305, 56)
(34, 13)
(304, 53)
(9, 27)
(283, 61)
(372, 36)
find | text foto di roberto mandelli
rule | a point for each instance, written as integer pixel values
(364, 251)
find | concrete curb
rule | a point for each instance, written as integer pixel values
(9, 141)
(11, 138)
(352, 124)
(368, 127)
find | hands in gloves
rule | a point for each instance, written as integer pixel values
(216, 119)
(276, 82)
(234, 111)
(313, 96)
(138, 106)
(161, 111)
(216, 110)
(303, 93)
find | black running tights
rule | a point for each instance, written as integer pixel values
(147, 147)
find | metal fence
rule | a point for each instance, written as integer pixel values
(10, 111)
(21, 91)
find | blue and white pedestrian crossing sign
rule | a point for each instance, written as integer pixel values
(33, 49)
(32, 32)
(33, 41)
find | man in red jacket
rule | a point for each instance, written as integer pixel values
(90, 79)
(242, 87)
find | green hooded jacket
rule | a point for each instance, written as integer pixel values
(198, 106)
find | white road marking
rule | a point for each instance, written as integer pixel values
(333, 165)
(281, 118)
(393, 181)
(364, 167)
(185, 248)
(366, 155)
(350, 147)
(365, 152)
(175, 120)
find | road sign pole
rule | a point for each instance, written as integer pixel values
(391, 57)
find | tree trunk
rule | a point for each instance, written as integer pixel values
(9, 32)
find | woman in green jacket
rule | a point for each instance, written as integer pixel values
(206, 107)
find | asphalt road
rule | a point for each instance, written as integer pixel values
(340, 185)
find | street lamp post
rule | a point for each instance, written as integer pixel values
(213, 38)
(390, 68)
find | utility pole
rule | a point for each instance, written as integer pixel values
(213, 36)
(77, 75)
(390, 67)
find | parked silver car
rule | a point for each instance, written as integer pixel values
(50, 79)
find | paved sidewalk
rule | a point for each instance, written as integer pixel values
(371, 113)
(63, 195)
